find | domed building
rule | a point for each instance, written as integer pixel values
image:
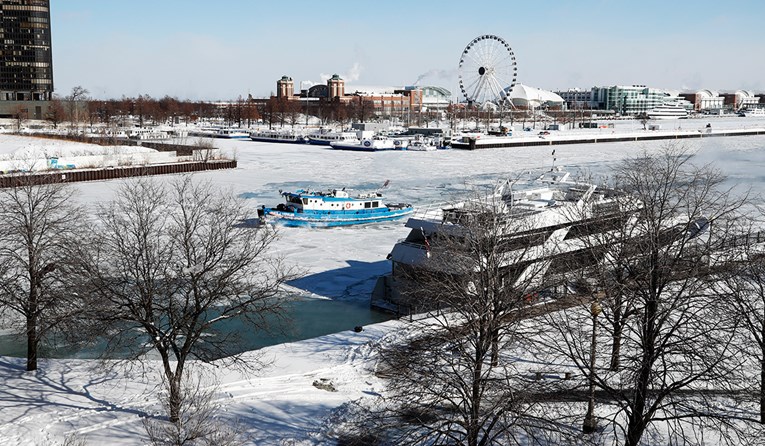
(524, 96)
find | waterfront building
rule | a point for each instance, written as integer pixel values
(705, 101)
(433, 98)
(526, 97)
(388, 101)
(629, 100)
(740, 99)
(382, 101)
(26, 65)
(576, 99)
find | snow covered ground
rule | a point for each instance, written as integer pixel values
(280, 405)
(27, 154)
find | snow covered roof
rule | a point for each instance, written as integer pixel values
(708, 93)
(367, 90)
(745, 93)
(525, 95)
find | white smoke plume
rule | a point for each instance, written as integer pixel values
(353, 73)
(436, 73)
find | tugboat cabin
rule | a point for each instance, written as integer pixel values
(334, 200)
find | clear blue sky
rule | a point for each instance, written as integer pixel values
(220, 49)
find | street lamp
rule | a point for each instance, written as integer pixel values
(305, 99)
(590, 423)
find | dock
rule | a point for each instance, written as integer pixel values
(108, 173)
(561, 138)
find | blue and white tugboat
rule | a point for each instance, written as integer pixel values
(334, 208)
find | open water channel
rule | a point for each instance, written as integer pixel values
(309, 318)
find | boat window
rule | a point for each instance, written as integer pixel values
(375, 204)
(305, 201)
(367, 204)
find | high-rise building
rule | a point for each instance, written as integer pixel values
(26, 60)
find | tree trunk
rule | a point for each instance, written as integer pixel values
(476, 391)
(495, 348)
(616, 348)
(618, 325)
(32, 341)
(637, 423)
(32, 327)
(762, 390)
(176, 399)
(634, 430)
(472, 431)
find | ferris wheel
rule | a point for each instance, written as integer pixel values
(487, 70)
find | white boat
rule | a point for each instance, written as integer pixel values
(372, 143)
(421, 144)
(145, 133)
(282, 136)
(325, 137)
(668, 111)
(549, 219)
(541, 213)
(205, 132)
(232, 133)
(752, 112)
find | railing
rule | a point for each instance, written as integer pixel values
(433, 211)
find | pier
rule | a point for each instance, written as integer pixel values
(109, 173)
(561, 138)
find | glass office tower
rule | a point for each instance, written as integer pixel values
(26, 60)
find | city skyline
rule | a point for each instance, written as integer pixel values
(190, 50)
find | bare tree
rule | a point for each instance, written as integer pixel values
(676, 343)
(746, 286)
(339, 112)
(75, 102)
(361, 109)
(56, 112)
(170, 268)
(20, 116)
(199, 421)
(40, 231)
(250, 111)
(643, 119)
(292, 109)
(269, 111)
